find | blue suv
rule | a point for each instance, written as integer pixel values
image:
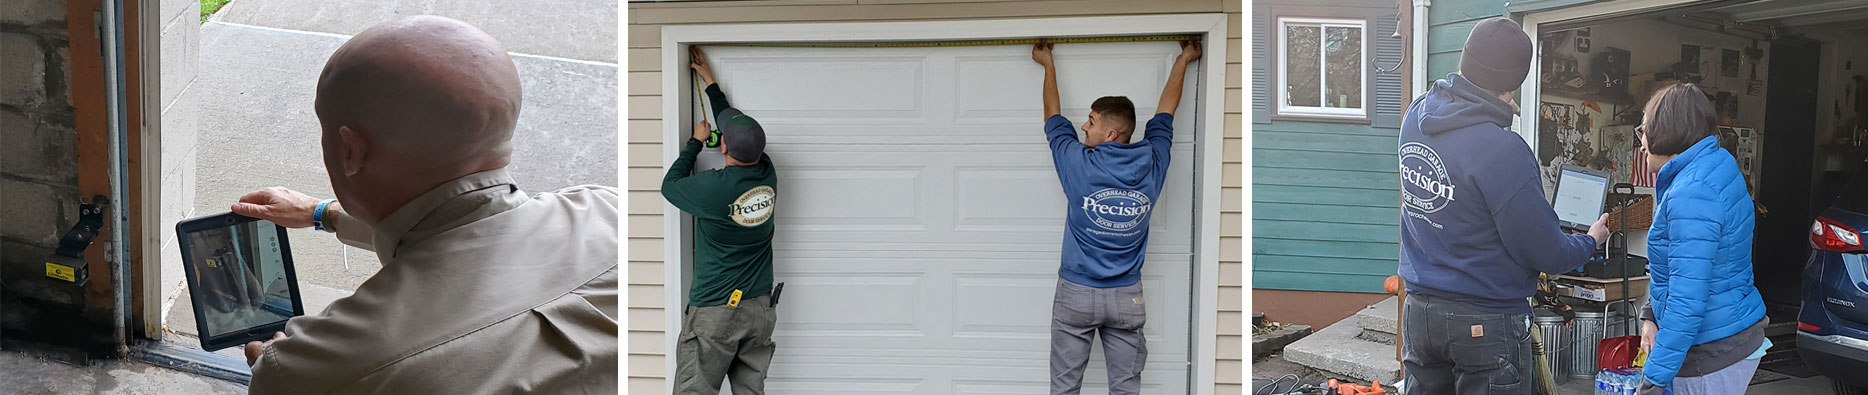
(1832, 328)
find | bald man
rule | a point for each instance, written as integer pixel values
(484, 288)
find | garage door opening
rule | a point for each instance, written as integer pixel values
(922, 223)
(244, 120)
(1784, 78)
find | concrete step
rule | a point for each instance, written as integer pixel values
(1380, 317)
(1276, 340)
(1377, 336)
(1338, 349)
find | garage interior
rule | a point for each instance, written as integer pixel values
(1787, 78)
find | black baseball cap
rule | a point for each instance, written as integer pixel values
(744, 138)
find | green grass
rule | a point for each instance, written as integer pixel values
(208, 7)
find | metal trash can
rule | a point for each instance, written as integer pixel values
(1555, 343)
(1584, 335)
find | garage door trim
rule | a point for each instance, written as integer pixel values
(676, 118)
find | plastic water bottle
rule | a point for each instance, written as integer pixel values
(1612, 384)
(1633, 385)
(1602, 383)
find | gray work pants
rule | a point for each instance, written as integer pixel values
(725, 342)
(1079, 313)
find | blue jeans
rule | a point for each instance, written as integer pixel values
(1451, 349)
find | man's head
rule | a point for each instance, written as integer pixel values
(1112, 119)
(410, 104)
(1497, 56)
(742, 140)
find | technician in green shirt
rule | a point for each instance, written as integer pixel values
(726, 332)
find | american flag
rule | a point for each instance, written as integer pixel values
(1643, 177)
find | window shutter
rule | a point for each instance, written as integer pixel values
(1262, 41)
(1388, 52)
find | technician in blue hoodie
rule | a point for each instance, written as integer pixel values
(1475, 228)
(1110, 185)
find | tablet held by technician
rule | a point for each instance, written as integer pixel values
(241, 282)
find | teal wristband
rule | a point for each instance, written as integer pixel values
(317, 215)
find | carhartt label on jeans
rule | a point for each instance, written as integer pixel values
(1478, 331)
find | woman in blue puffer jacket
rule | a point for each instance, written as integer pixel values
(1704, 326)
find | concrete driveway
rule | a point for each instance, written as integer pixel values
(259, 64)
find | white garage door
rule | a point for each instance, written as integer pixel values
(920, 218)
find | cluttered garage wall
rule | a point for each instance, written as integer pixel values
(1588, 122)
(1842, 99)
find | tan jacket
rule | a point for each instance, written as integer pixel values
(483, 290)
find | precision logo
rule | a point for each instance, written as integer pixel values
(1427, 186)
(1116, 209)
(753, 207)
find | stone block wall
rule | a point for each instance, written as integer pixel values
(38, 169)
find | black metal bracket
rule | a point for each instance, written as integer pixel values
(67, 263)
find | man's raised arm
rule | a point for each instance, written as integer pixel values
(698, 61)
(1170, 95)
(1041, 53)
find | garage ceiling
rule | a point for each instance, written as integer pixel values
(1800, 13)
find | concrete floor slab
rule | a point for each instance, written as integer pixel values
(576, 29)
(30, 375)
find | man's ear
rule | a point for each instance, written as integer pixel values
(353, 149)
(723, 150)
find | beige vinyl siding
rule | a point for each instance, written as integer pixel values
(646, 341)
(1230, 365)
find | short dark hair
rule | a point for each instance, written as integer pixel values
(1678, 116)
(1116, 110)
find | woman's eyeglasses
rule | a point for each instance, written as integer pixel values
(1639, 132)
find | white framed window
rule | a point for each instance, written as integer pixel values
(1322, 67)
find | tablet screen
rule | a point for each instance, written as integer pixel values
(239, 277)
(1579, 198)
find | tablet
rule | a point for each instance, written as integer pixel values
(1579, 196)
(240, 278)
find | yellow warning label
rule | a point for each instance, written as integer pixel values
(61, 272)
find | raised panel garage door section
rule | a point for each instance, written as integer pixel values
(920, 219)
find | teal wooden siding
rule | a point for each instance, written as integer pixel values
(1325, 211)
(1325, 197)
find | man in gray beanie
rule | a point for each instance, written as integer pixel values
(1475, 228)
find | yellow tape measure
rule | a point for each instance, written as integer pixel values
(970, 43)
(734, 301)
